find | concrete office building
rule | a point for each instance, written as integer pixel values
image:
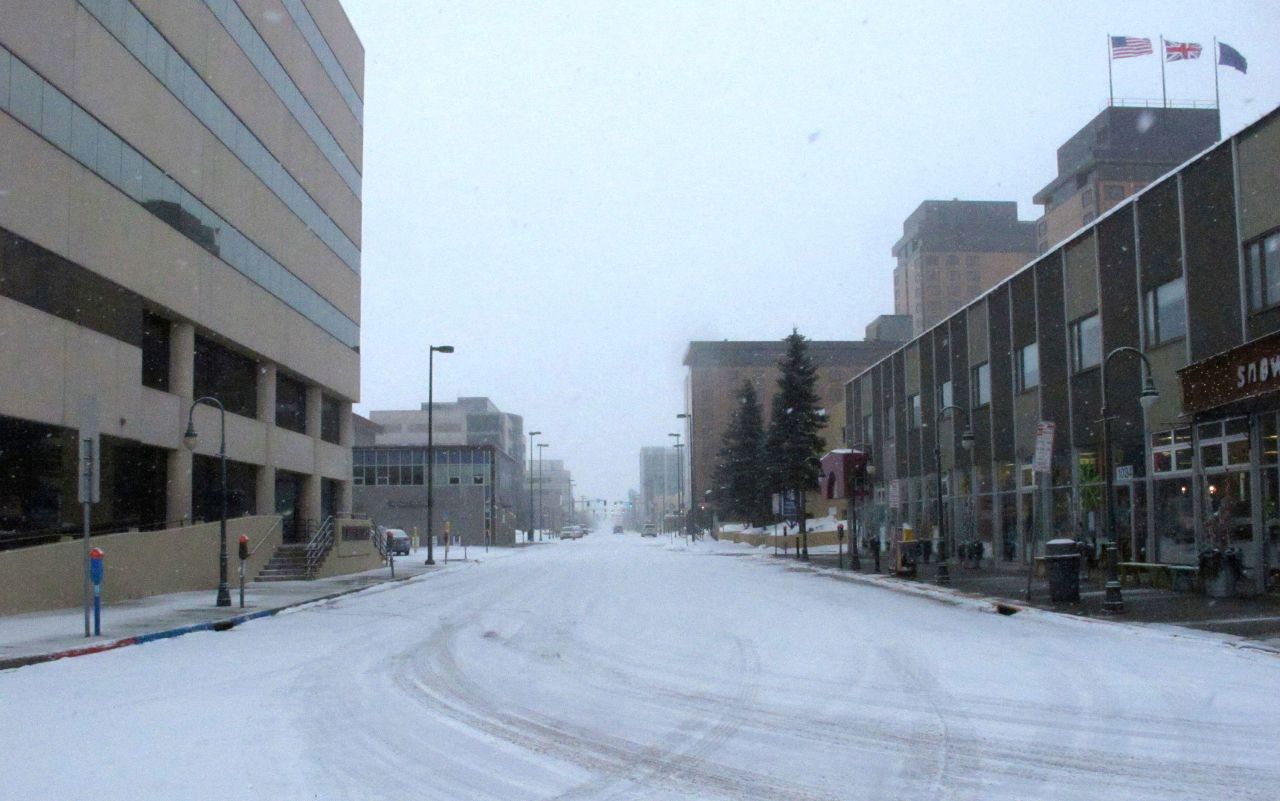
(180, 217)
(659, 485)
(1117, 153)
(717, 371)
(479, 487)
(1188, 272)
(951, 251)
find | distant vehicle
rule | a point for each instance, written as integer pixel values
(400, 541)
(571, 533)
(617, 529)
(649, 530)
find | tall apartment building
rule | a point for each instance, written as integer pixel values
(180, 218)
(659, 485)
(716, 373)
(951, 251)
(1117, 153)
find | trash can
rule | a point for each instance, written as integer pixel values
(1062, 563)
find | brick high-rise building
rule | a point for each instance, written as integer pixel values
(1117, 153)
(951, 251)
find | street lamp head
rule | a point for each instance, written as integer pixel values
(535, 433)
(189, 438)
(871, 471)
(966, 439)
(442, 348)
(684, 417)
(673, 435)
(1149, 395)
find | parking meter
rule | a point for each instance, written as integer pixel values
(244, 554)
(95, 576)
(391, 554)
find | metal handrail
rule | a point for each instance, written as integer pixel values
(279, 522)
(318, 546)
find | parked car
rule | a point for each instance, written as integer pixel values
(400, 541)
(617, 529)
(649, 530)
(571, 533)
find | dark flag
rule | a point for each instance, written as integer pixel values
(1228, 56)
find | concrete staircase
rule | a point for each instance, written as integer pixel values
(299, 561)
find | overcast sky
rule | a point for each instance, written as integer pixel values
(569, 192)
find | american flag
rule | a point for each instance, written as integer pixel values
(1130, 46)
(1181, 51)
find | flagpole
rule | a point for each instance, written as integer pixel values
(1217, 100)
(1111, 87)
(1164, 95)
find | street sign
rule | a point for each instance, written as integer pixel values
(1043, 461)
(895, 496)
(90, 489)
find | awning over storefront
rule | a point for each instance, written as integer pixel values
(1242, 379)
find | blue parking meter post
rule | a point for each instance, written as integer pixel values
(95, 575)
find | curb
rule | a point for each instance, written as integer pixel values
(213, 625)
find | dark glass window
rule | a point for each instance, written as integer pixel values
(1086, 343)
(291, 404)
(1029, 367)
(1264, 271)
(1166, 312)
(981, 385)
(330, 420)
(914, 403)
(155, 352)
(226, 375)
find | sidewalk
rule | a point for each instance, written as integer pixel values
(42, 636)
(1256, 618)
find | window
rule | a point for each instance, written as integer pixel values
(1086, 197)
(1166, 313)
(1088, 217)
(868, 429)
(291, 404)
(1042, 227)
(1263, 256)
(931, 260)
(1113, 192)
(981, 385)
(944, 395)
(914, 403)
(1029, 367)
(971, 260)
(330, 420)
(1171, 451)
(226, 375)
(155, 352)
(953, 260)
(1086, 343)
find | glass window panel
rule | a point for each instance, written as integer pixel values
(131, 173)
(1271, 259)
(1159, 438)
(1182, 459)
(26, 91)
(1182, 435)
(1270, 438)
(1257, 299)
(1238, 426)
(107, 163)
(418, 478)
(1211, 456)
(55, 123)
(1210, 430)
(1162, 461)
(157, 51)
(4, 78)
(1238, 451)
(84, 136)
(135, 31)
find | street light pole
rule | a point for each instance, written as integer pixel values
(966, 440)
(528, 535)
(431, 457)
(688, 418)
(679, 483)
(1113, 602)
(189, 439)
(542, 489)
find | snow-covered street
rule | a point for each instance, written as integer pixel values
(615, 667)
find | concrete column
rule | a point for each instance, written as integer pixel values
(182, 356)
(346, 438)
(311, 487)
(266, 483)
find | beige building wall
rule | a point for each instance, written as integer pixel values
(55, 202)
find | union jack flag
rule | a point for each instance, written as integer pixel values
(1181, 51)
(1130, 46)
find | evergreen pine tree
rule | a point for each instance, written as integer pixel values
(793, 447)
(740, 486)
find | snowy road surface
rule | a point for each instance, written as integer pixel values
(616, 668)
